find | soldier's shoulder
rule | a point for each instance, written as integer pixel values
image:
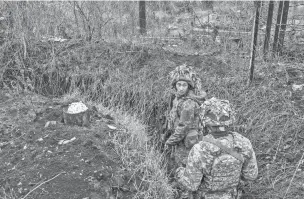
(240, 137)
(209, 147)
(242, 141)
(202, 150)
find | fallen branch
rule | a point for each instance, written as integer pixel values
(42, 184)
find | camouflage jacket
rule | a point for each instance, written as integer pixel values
(201, 175)
(183, 118)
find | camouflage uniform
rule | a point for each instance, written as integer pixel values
(184, 115)
(210, 170)
(184, 119)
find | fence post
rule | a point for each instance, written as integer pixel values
(254, 40)
(277, 29)
(283, 26)
(142, 17)
(268, 29)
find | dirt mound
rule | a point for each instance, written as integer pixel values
(37, 163)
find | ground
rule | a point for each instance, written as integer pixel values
(35, 164)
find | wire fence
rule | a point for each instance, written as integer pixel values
(227, 25)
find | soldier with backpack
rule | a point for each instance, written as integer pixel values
(218, 163)
(184, 114)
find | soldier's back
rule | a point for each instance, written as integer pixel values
(222, 170)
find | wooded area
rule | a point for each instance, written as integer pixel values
(208, 25)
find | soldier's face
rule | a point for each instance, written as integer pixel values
(182, 87)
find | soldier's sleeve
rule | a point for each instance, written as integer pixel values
(186, 118)
(190, 177)
(250, 167)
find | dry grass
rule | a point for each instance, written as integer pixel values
(138, 158)
(136, 82)
(132, 78)
(7, 193)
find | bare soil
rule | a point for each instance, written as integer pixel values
(35, 164)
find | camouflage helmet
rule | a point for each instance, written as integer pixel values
(185, 73)
(216, 112)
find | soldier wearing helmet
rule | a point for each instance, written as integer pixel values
(218, 163)
(184, 115)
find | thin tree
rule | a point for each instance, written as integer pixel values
(142, 17)
(277, 29)
(268, 29)
(209, 5)
(283, 26)
(254, 40)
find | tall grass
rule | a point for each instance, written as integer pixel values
(133, 79)
(143, 161)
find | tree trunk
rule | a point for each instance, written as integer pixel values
(268, 29)
(208, 5)
(76, 20)
(283, 26)
(277, 29)
(24, 25)
(254, 40)
(142, 17)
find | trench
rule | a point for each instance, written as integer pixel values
(102, 73)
